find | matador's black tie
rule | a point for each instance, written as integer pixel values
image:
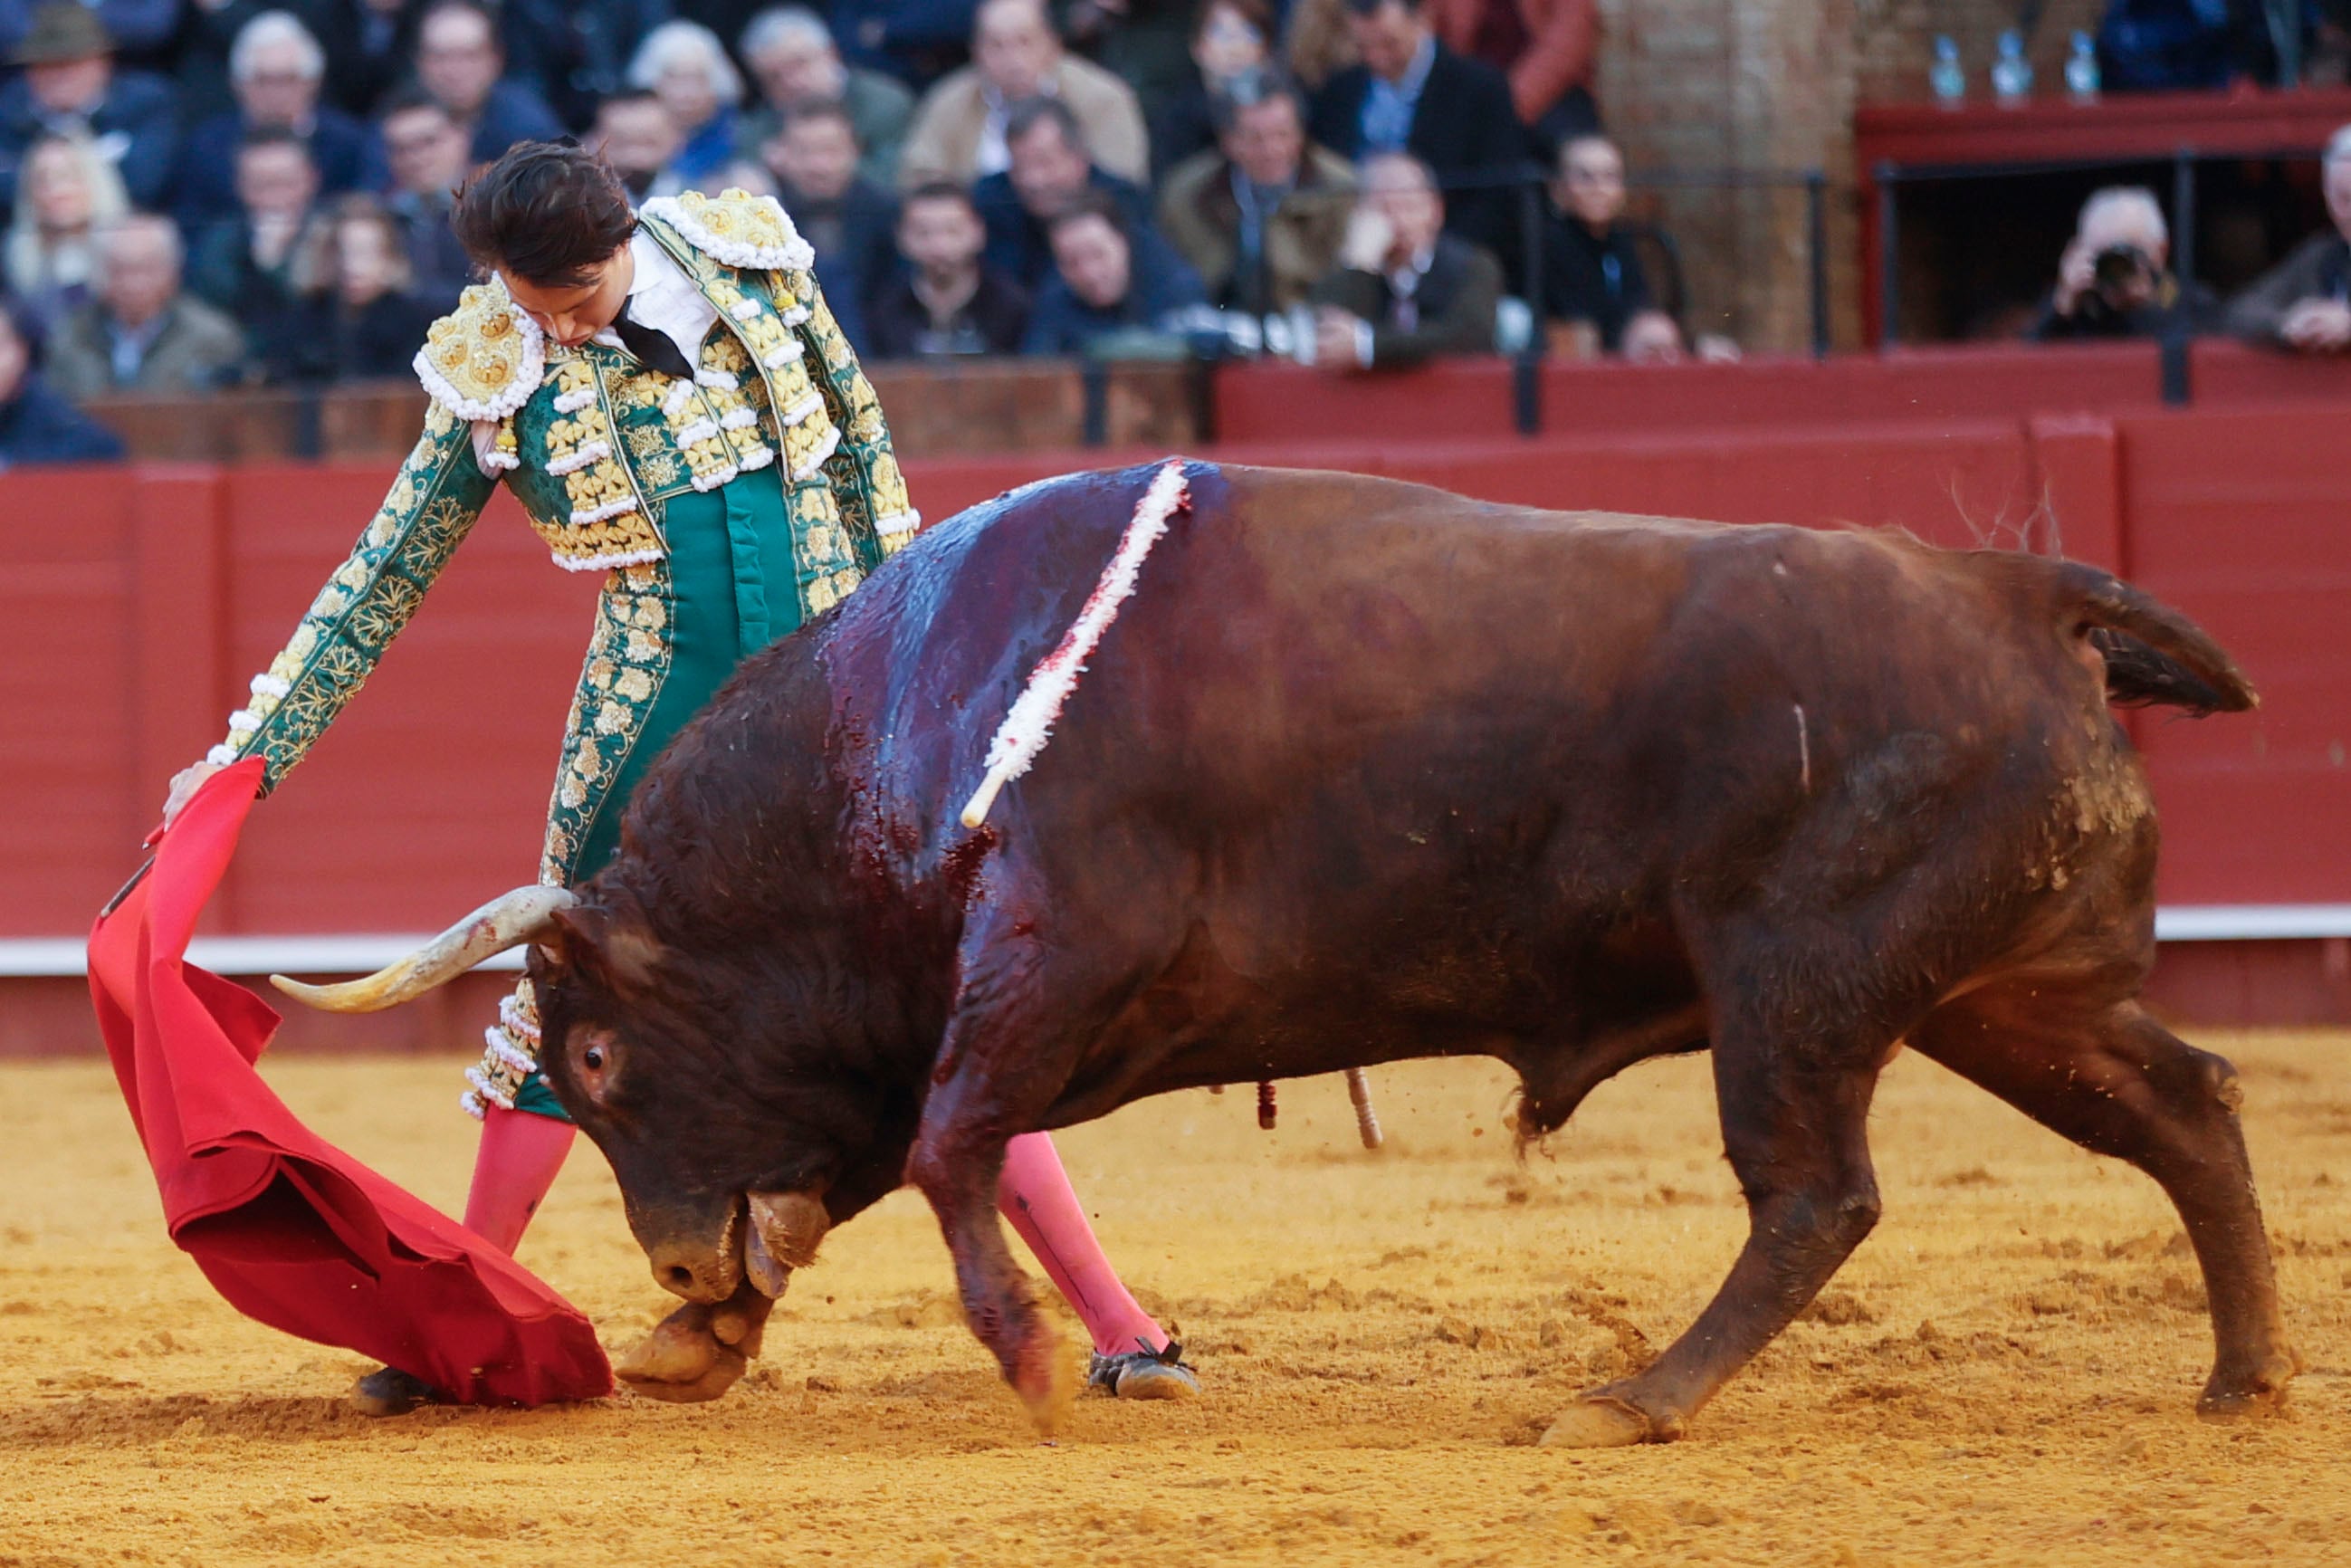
(655, 351)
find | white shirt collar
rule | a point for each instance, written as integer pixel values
(661, 295)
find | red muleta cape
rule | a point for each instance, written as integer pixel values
(291, 1230)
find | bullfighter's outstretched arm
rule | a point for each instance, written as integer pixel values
(431, 506)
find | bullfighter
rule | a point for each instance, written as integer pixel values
(667, 393)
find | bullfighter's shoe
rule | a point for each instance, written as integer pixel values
(1144, 1375)
(388, 1391)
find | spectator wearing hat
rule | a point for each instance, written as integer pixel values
(1261, 217)
(793, 58)
(961, 125)
(1404, 291)
(946, 302)
(142, 333)
(142, 27)
(276, 69)
(429, 161)
(244, 265)
(36, 426)
(1104, 286)
(459, 61)
(70, 86)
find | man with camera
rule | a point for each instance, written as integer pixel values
(2114, 280)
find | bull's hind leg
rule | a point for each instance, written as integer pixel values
(1794, 1110)
(2116, 1081)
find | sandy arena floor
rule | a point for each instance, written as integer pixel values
(2004, 1373)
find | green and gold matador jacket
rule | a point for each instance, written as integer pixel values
(599, 450)
(591, 444)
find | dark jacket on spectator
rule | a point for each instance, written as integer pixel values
(2181, 312)
(917, 41)
(200, 65)
(852, 236)
(196, 350)
(137, 108)
(344, 152)
(317, 341)
(441, 266)
(1450, 312)
(1158, 283)
(898, 325)
(1182, 127)
(368, 52)
(513, 113)
(1594, 277)
(1018, 246)
(36, 426)
(1202, 218)
(1462, 127)
(2317, 268)
(222, 272)
(573, 53)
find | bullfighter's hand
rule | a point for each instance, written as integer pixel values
(698, 1352)
(184, 785)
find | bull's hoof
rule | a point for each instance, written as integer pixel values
(1144, 1375)
(388, 1391)
(685, 1360)
(1046, 1381)
(1600, 1421)
(2261, 1392)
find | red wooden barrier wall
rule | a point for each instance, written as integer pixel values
(139, 600)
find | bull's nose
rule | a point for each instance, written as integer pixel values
(696, 1270)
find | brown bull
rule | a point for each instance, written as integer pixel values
(1366, 771)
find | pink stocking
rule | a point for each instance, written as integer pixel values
(519, 1157)
(1034, 1194)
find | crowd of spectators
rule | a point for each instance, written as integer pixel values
(208, 193)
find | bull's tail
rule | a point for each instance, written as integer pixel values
(2153, 654)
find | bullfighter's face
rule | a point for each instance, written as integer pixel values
(727, 1167)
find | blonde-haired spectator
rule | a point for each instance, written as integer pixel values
(686, 66)
(958, 130)
(2305, 301)
(66, 194)
(1316, 44)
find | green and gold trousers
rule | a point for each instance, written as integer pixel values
(667, 635)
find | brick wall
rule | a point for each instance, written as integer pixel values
(1762, 85)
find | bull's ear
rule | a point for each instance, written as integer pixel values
(611, 944)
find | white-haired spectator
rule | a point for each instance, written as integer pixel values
(276, 68)
(142, 333)
(576, 53)
(686, 66)
(958, 130)
(461, 62)
(1404, 291)
(67, 196)
(792, 55)
(2305, 301)
(2115, 279)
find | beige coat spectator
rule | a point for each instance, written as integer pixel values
(141, 333)
(1263, 148)
(958, 130)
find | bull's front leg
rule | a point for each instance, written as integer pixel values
(955, 1162)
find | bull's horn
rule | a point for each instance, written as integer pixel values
(508, 921)
(791, 1224)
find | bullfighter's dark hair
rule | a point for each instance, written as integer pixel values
(1030, 112)
(545, 213)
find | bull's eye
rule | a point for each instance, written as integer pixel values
(594, 1059)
